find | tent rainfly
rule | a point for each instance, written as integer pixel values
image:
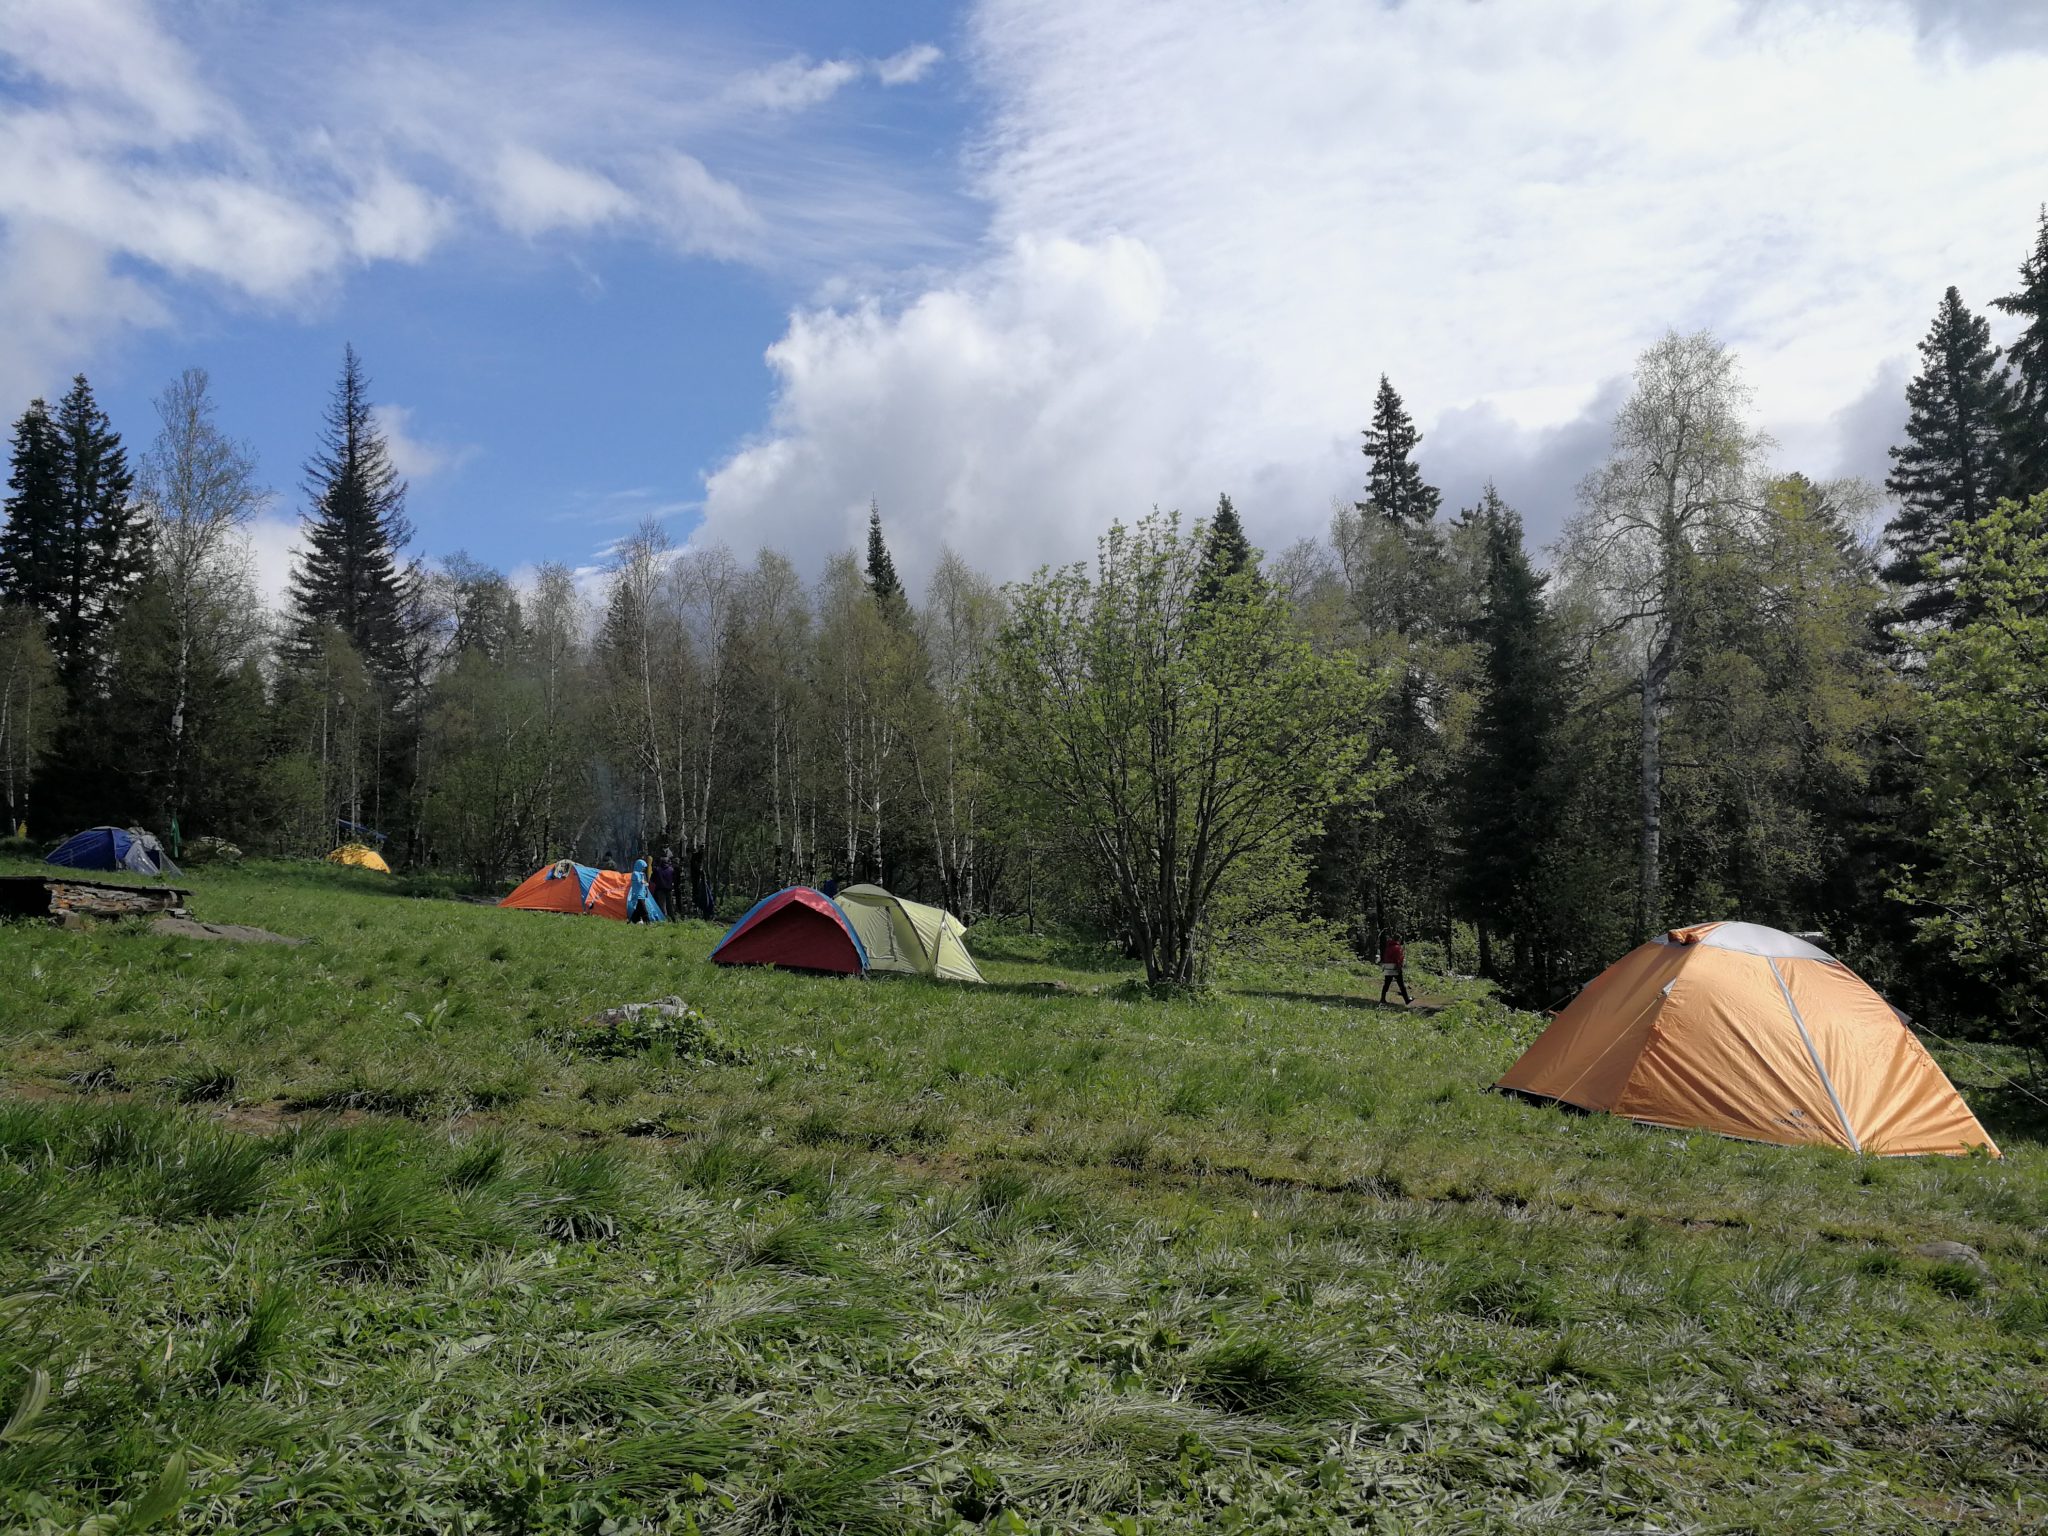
(907, 936)
(128, 848)
(359, 857)
(1752, 1033)
(798, 929)
(566, 886)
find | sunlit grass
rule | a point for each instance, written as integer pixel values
(344, 1230)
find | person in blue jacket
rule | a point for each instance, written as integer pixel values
(640, 907)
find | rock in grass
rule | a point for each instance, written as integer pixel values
(186, 928)
(634, 1027)
(1954, 1253)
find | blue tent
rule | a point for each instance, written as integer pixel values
(113, 848)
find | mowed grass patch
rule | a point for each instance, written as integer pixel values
(336, 1235)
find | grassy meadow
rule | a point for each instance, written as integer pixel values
(365, 1236)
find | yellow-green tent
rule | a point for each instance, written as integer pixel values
(360, 856)
(908, 936)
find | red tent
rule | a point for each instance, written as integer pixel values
(799, 929)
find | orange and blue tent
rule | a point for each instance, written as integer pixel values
(566, 886)
(798, 929)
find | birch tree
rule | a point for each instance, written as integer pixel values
(1683, 468)
(200, 490)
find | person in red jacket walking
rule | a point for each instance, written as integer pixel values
(1394, 968)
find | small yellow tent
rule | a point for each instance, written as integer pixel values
(907, 936)
(360, 856)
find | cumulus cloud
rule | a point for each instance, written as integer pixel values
(164, 147)
(1214, 223)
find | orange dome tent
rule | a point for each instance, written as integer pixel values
(1743, 1030)
(566, 886)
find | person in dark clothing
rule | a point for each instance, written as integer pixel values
(1394, 968)
(701, 894)
(831, 885)
(663, 881)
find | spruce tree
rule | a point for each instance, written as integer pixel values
(349, 576)
(1512, 785)
(2027, 427)
(35, 514)
(1394, 487)
(102, 536)
(1226, 552)
(1952, 468)
(882, 580)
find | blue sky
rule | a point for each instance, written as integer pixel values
(1012, 268)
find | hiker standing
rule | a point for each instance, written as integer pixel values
(638, 901)
(1394, 968)
(663, 880)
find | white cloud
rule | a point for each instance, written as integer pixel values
(535, 193)
(392, 219)
(792, 84)
(909, 66)
(274, 542)
(170, 146)
(415, 458)
(700, 213)
(1214, 223)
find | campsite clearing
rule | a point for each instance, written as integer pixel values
(356, 1233)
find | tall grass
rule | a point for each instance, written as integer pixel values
(336, 1238)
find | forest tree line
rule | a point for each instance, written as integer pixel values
(1732, 690)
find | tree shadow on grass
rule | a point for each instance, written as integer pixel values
(1422, 1006)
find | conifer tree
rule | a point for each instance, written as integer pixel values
(30, 539)
(1952, 468)
(1226, 552)
(1512, 785)
(1394, 487)
(76, 543)
(882, 579)
(349, 576)
(2027, 430)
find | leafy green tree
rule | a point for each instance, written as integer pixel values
(1952, 466)
(1984, 897)
(196, 628)
(1514, 781)
(1394, 487)
(1776, 708)
(2027, 435)
(1681, 474)
(349, 576)
(1187, 743)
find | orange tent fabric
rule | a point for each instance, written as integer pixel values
(1741, 1029)
(560, 887)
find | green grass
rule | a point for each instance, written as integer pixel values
(358, 1236)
